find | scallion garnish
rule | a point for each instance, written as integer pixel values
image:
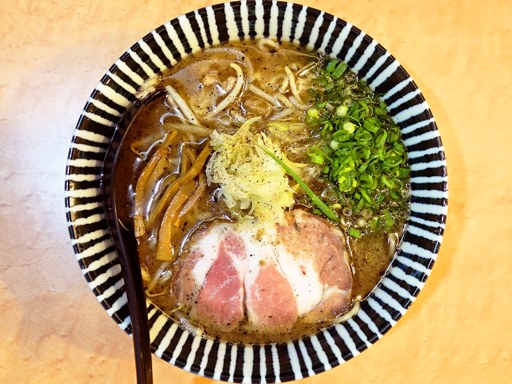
(363, 155)
(354, 233)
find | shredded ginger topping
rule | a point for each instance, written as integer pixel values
(248, 178)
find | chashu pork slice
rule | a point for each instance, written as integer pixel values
(319, 249)
(268, 277)
(210, 280)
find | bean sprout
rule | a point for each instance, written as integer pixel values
(182, 104)
(264, 95)
(263, 43)
(306, 69)
(158, 276)
(284, 86)
(229, 83)
(238, 117)
(392, 242)
(298, 104)
(233, 94)
(282, 114)
(176, 112)
(283, 99)
(355, 308)
(293, 85)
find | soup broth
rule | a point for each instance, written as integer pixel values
(265, 89)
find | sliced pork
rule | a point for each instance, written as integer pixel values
(221, 298)
(266, 278)
(271, 302)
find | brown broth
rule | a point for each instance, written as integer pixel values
(370, 255)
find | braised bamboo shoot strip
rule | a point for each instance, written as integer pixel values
(191, 154)
(159, 188)
(142, 183)
(176, 185)
(165, 248)
(191, 202)
(188, 156)
(184, 161)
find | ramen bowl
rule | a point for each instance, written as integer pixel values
(164, 47)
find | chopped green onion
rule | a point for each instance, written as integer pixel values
(349, 127)
(341, 111)
(394, 195)
(381, 139)
(317, 159)
(366, 197)
(354, 233)
(340, 69)
(398, 147)
(362, 154)
(404, 173)
(386, 182)
(388, 219)
(371, 124)
(331, 66)
(363, 136)
(366, 180)
(392, 161)
(313, 113)
(360, 205)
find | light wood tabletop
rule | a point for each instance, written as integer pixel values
(53, 53)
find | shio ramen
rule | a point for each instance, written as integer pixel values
(267, 187)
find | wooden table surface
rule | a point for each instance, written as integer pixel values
(53, 53)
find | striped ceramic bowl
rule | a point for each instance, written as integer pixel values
(162, 48)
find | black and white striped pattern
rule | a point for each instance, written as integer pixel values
(309, 27)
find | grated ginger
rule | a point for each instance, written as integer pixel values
(249, 179)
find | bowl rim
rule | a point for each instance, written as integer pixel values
(169, 43)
